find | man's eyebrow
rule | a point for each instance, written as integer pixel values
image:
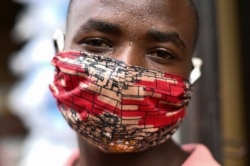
(167, 37)
(105, 27)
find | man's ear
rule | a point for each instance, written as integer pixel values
(196, 72)
(58, 38)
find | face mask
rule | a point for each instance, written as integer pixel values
(115, 106)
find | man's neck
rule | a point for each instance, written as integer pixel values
(167, 153)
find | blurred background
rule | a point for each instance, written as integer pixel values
(32, 131)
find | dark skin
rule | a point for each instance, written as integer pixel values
(155, 34)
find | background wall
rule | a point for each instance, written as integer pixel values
(12, 131)
(8, 123)
(244, 29)
(218, 116)
(233, 110)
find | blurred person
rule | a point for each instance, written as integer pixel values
(122, 83)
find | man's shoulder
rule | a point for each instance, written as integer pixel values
(73, 158)
(199, 155)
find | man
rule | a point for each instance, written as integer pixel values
(121, 81)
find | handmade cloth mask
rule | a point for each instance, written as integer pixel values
(115, 106)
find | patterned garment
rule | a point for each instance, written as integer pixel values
(115, 106)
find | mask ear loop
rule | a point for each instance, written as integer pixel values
(196, 72)
(58, 39)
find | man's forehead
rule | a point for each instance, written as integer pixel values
(132, 3)
(119, 7)
(163, 11)
(163, 15)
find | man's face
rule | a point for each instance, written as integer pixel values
(155, 34)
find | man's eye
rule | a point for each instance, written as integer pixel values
(97, 42)
(161, 55)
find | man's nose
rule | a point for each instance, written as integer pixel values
(131, 55)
